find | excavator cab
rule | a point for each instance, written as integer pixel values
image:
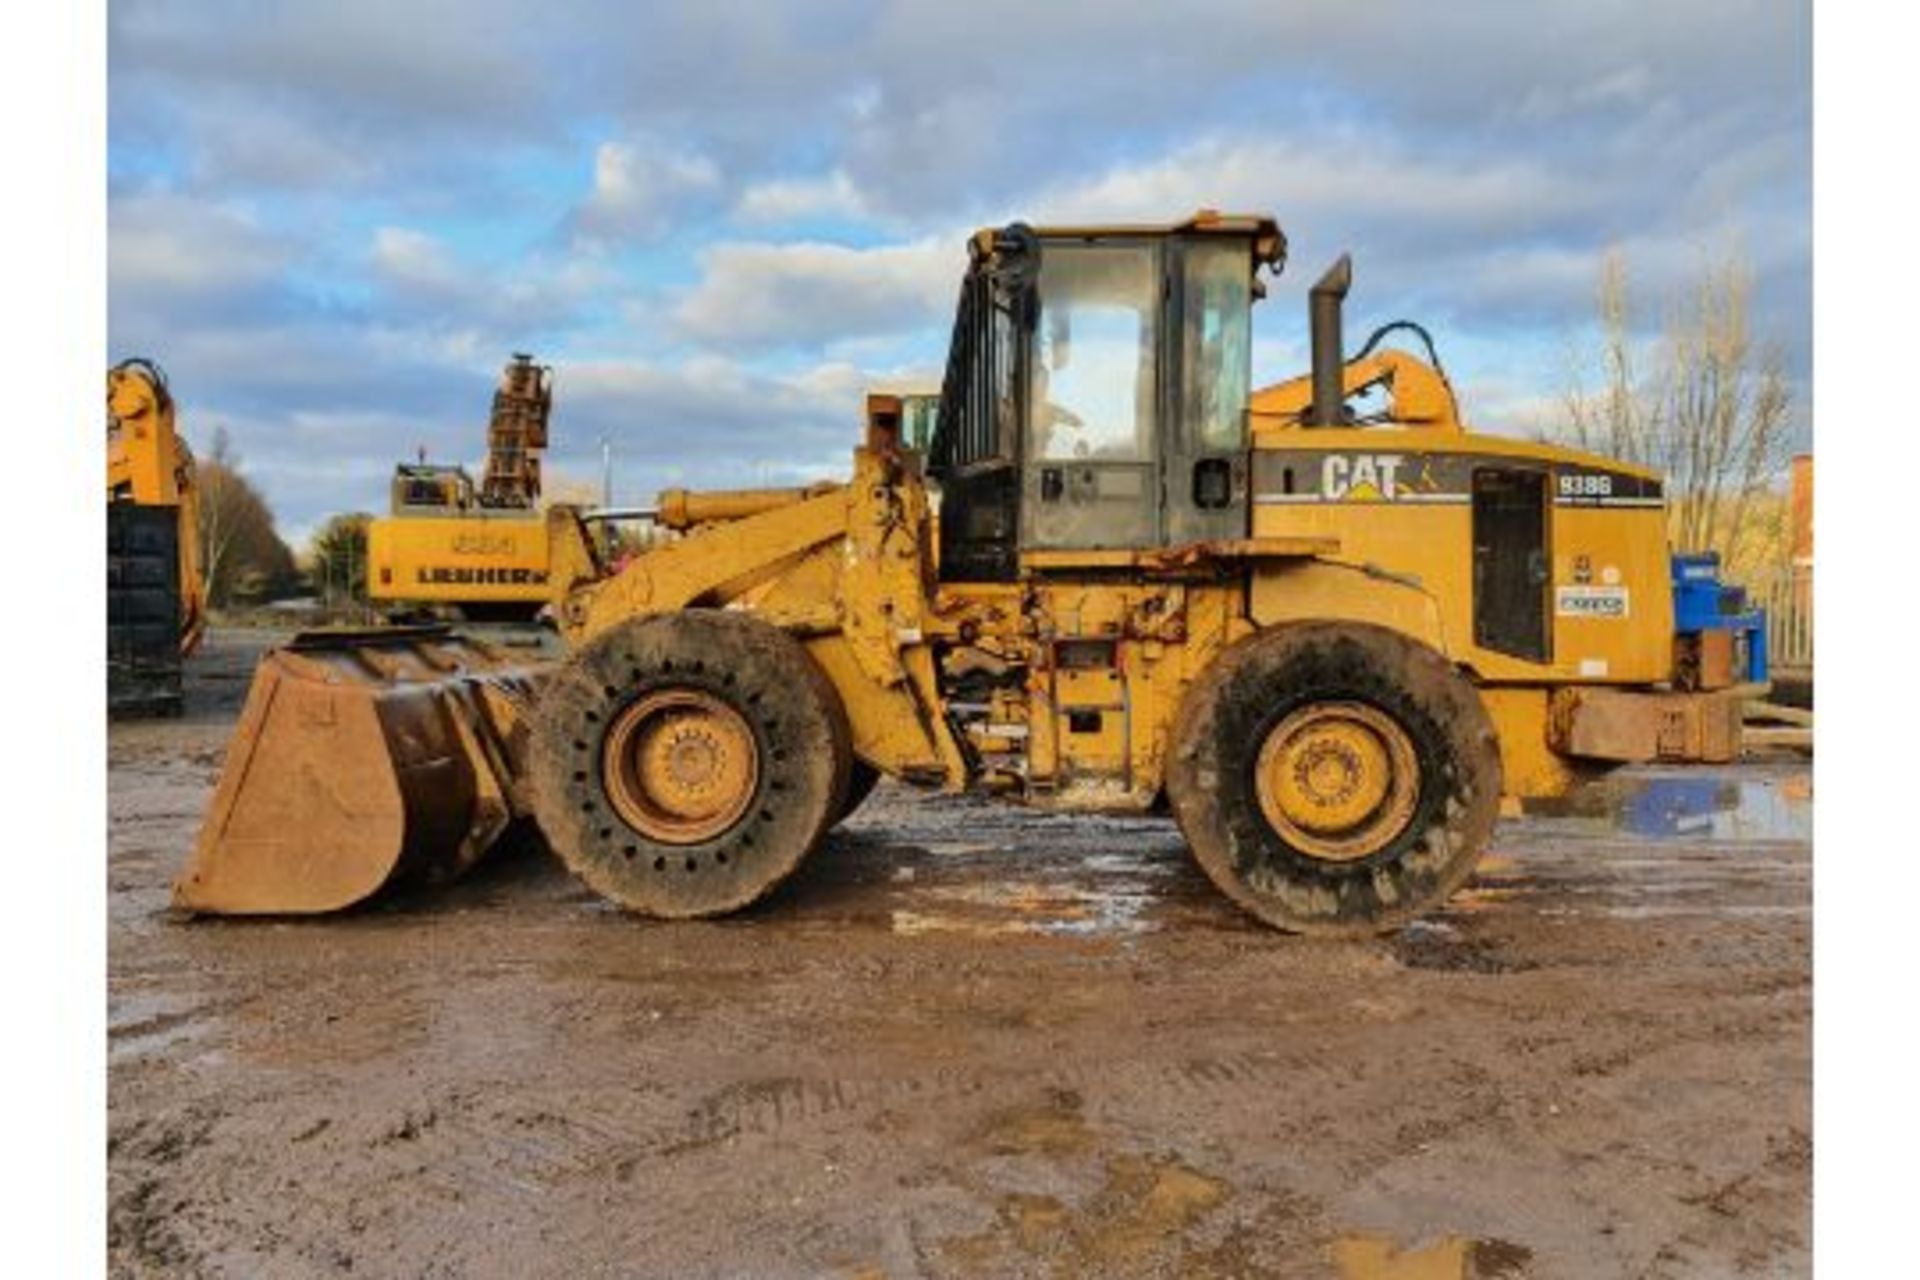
(426, 488)
(1096, 394)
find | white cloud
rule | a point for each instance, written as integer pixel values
(752, 427)
(245, 145)
(760, 294)
(413, 257)
(1344, 175)
(1476, 190)
(161, 241)
(1624, 86)
(790, 199)
(423, 278)
(638, 187)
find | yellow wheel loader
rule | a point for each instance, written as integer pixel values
(1329, 646)
(156, 593)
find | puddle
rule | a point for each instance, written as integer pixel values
(1136, 1223)
(1140, 1211)
(1371, 1257)
(956, 848)
(1113, 905)
(1053, 1127)
(1761, 912)
(140, 1024)
(1694, 806)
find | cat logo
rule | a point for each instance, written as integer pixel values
(1363, 477)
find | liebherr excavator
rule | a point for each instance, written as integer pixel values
(1329, 647)
(480, 549)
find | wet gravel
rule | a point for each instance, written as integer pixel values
(969, 1040)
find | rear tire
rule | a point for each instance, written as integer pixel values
(1334, 778)
(683, 765)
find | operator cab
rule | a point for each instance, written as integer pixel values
(425, 488)
(1096, 392)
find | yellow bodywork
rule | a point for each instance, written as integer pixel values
(457, 560)
(1111, 639)
(149, 464)
(1116, 636)
(1404, 557)
(1532, 581)
(451, 543)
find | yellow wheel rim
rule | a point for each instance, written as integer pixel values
(1337, 780)
(680, 766)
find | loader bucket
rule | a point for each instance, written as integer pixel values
(362, 759)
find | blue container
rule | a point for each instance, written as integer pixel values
(1701, 602)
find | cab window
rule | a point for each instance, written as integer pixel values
(1091, 391)
(1217, 343)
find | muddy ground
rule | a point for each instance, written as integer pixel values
(966, 1040)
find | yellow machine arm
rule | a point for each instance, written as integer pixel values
(148, 463)
(1419, 395)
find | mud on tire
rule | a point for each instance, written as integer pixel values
(1383, 678)
(769, 711)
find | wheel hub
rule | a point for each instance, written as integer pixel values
(680, 766)
(1338, 780)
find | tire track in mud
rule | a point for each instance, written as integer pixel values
(616, 1131)
(509, 1080)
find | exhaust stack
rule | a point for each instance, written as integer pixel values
(1329, 360)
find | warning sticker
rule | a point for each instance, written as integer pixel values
(1590, 602)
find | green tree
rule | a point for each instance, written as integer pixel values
(337, 559)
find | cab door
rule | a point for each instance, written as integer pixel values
(1091, 474)
(1510, 562)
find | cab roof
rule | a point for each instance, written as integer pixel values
(1269, 242)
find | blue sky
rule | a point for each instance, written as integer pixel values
(331, 222)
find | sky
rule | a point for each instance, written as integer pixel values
(331, 222)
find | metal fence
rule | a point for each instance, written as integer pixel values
(1787, 596)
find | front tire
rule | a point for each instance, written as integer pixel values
(861, 780)
(683, 765)
(1334, 778)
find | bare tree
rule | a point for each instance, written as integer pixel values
(1704, 402)
(241, 553)
(215, 476)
